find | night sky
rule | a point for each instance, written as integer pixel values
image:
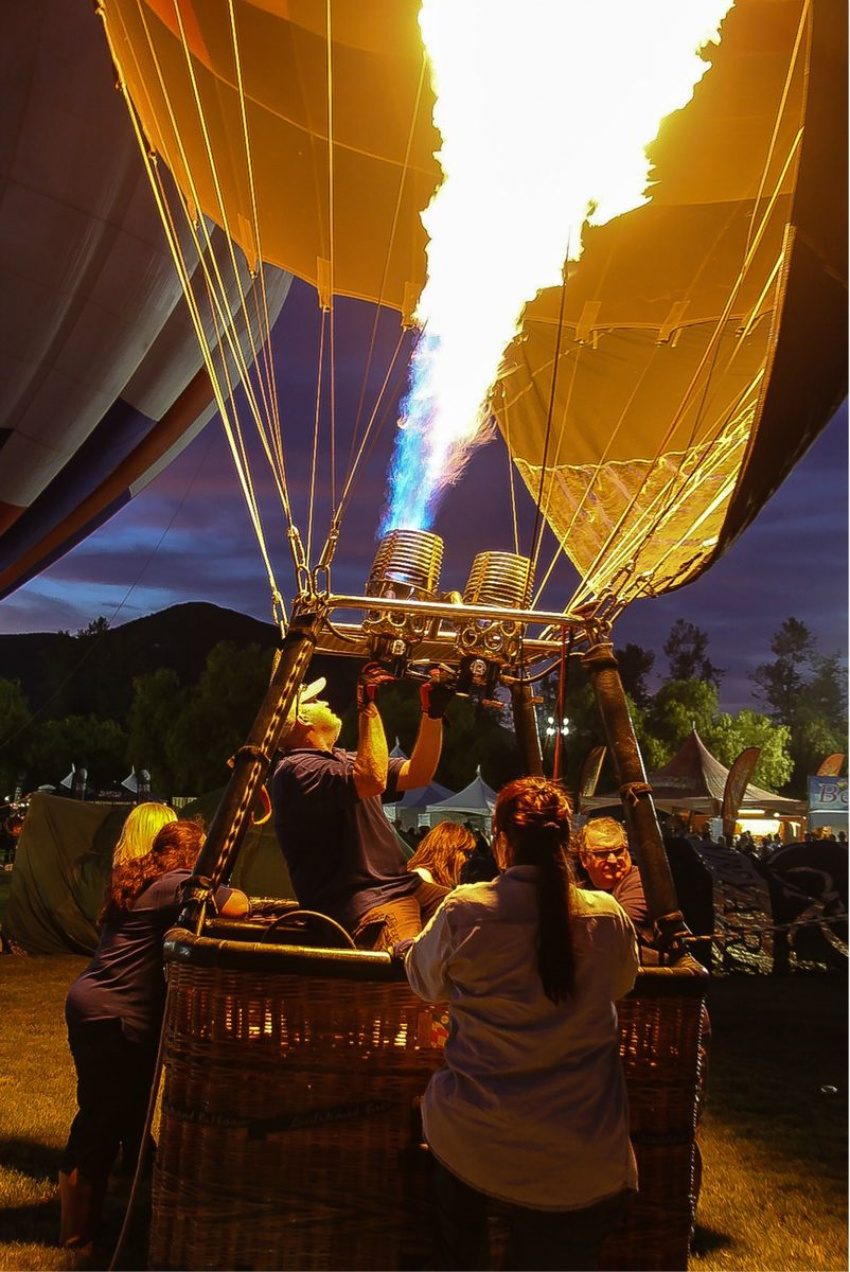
(188, 537)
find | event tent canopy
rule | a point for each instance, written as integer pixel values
(475, 800)
(406, 811)
(695, 780)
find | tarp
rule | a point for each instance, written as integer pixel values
(60, 874)
(260, 868)
(695, 780)
(63, 861)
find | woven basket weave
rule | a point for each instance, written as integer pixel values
(290, 1136)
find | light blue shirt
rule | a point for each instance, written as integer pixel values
(531, 1106)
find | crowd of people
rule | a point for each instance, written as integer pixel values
(531, 939)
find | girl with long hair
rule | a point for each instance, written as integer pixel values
(443, 853)
(140, 829)
(530, 1108)
(114, 1014)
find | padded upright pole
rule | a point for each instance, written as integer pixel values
(250, 768)
(525, 728)
(636, 793)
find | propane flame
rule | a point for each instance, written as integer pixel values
(545, 111)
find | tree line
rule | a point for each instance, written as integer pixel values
(183, 733)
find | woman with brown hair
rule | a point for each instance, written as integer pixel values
(443, 853)
(114, 1014)
(530, 1107)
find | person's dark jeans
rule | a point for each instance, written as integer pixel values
(539, 1241)
(114, 1078)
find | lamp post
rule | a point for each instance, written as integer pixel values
(555, 732)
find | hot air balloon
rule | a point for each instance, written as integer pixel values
(651, 403)
(659, 398)
(103, 380)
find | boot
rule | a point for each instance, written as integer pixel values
(80, 1201)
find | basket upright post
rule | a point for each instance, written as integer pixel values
(525, 728)
(250, 768)
(641, 821)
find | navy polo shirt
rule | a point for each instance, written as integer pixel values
(342, 853)
(125, 980)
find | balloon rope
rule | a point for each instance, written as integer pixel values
(356, 451)
(679, 489)
(685, 488)
(315, 455)
(207, 256)
(536, 533)
(254, 249)
(676, 490)
(576, 362)
(511, 480)
(388, 256)
(353, 468)
(331, 251)
(802, 25)
(266, 376)
(181, 265)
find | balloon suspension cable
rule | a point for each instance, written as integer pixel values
(329, 64)
(512, 480)
(677, 489)
(368, 436)
(537, 533)
(303, 582)
(325, 562)
(314, 458)
(735, 422)
(265, 412)
(405, 169)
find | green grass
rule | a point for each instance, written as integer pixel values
(774, 1136)
(774, 1144)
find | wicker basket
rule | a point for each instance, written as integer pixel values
(290, 1134)
(661, 1027)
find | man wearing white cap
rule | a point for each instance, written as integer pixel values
(343, 856)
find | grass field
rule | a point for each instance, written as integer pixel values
(774, 1135)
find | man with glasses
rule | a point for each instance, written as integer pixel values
(603, 851)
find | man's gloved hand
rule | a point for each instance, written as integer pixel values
(369, 682)
(436, 694)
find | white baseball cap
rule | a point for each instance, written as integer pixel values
(307, 693)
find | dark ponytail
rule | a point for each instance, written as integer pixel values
(534, 816)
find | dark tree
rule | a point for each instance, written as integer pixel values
(636, 663)
(807, 692)
(686, 649)
(780, 683)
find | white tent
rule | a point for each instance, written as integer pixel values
(407, 811)
(474, 803)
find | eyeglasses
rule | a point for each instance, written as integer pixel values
(602, 854)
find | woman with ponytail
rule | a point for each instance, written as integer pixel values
(530, 1108)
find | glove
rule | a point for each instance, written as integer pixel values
(435, 695)
(369, 682)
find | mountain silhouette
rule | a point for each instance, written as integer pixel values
(93, 671)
